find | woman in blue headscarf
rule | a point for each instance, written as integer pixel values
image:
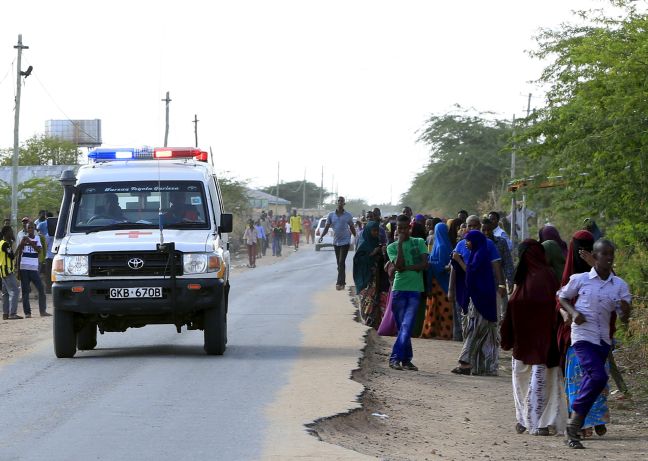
(480, 351)
(439, 311)
(371, 282)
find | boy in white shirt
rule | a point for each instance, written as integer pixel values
(599, 292)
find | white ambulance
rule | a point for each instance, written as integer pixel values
(141, 238)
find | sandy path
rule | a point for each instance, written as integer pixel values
(433, 414)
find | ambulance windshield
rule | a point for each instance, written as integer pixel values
(136, 204)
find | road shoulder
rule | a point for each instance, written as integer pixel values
(319, 383)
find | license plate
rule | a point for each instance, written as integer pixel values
(126, 293)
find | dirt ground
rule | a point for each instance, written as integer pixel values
(434, 414)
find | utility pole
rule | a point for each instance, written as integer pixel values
(195, 122)
(514, 236)
(16, 149)
(524, 225)
(167, 100)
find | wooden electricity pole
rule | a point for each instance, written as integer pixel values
(16, 148)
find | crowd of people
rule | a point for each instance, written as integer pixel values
(275, 232)
(25, 260)
(455, 279)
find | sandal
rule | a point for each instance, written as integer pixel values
(574, 443)
(461, 371)
(543, 431)
(587, 432)
(519, 428)
(600, 430)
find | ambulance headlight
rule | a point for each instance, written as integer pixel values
(75, 265)
(194, 263)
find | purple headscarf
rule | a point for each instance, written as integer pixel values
(480, 281)
(551, 233)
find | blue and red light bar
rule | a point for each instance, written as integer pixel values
(146, 153)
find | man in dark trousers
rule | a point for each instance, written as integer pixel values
(342, 223)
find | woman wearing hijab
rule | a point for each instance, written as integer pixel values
(529, 328)
(480, 351)
(555, 258)
(599, 415)
(549, 232)
(370, 282)
(438, 322)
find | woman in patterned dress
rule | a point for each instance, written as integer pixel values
(439, 311)
(529, 328)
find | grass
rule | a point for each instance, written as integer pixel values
(632, 356)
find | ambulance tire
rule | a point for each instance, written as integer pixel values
(215, 325)
(64, 334)
(87, 337)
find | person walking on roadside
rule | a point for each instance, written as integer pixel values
(30, 249)
(287, 232)
(277, 238)
(600, 293)
(250, 238)
(307, 226)
(342, 223)
(529, 328)
(494, 217)
(10, 290)
(295, 228)
(261, 236)
(439, 311)
(409, 256)
(506, 264)
(480, 353)
(580, 245)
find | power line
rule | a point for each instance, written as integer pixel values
(77, 125)
(8, 71)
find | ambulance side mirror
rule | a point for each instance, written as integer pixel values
(226, 223)
(51, 226)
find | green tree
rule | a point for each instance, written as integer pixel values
(234, 194)
(41, 150)
(592, 131)
(467, 160)
(293, 192)
(33, 195)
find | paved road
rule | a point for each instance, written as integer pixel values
(152, 394)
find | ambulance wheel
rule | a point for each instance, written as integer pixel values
(215, 325)
(64, 335)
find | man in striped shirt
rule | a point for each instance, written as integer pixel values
(29, 248)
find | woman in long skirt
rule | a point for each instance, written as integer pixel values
(480, 353)
(438, 321)
(529, 328)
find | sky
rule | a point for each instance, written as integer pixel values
(280, 88)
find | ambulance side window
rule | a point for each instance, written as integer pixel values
(215, 203)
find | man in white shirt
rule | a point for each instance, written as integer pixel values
(29, 249)
(599, 292)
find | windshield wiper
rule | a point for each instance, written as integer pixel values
(185, 225)
(119, 225)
